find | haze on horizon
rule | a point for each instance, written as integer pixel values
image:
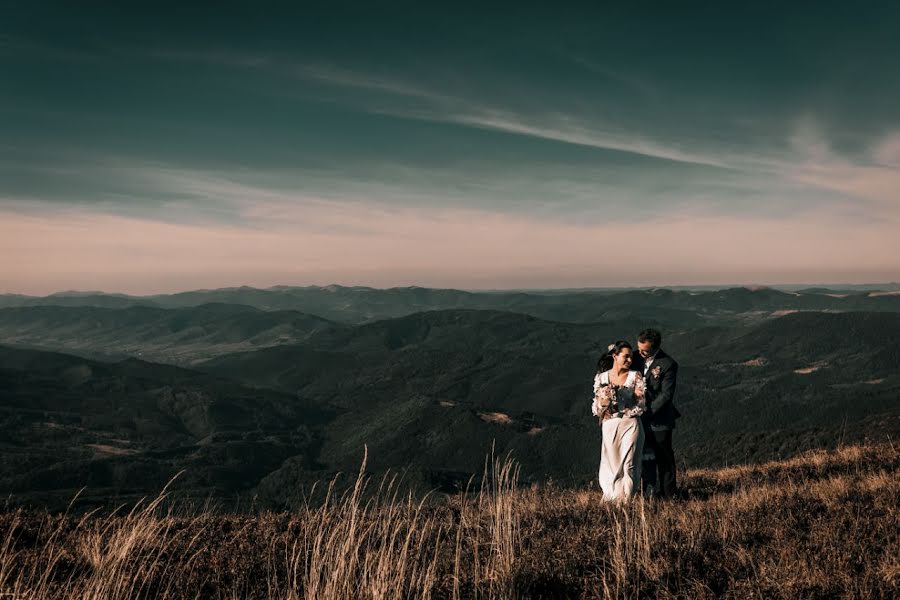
(175, 147)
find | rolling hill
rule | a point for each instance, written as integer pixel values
(284, 398)
(124, 428)
(179, 336)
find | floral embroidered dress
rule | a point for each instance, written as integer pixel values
(619, 409)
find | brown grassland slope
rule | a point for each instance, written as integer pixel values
(824, 525)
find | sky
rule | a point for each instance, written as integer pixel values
(199, 145)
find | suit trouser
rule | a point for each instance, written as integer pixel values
(659, 472)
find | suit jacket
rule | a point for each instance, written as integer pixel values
(660, 380)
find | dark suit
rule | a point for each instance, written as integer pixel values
(659, 421)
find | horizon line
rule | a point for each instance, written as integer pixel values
(874, 286)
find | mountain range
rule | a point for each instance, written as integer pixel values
(361, 304)
(259, 399)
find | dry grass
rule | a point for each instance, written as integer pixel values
(822, 525)
(386, 546)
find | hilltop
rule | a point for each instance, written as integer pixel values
(822, 525)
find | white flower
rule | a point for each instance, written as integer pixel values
(640, 386)
(634, 411)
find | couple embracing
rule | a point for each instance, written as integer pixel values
(633, 391)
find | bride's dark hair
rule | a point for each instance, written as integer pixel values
(606, 361)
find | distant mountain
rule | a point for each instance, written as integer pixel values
(74, 298)
(361, 304)
(126, 428)
(844, 287)
(175, 336)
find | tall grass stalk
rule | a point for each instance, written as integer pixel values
(821, 525)
(383, 547)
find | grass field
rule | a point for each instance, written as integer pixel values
(823, 525)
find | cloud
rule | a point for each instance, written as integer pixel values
(641, 86)
(562, 128)
(874, 178)
(449, 108)
(887, 151)
(808, 141)
(348, 78)
(721, 211)
(470, 107)
(444, 107)
(878, 185)
(432, 247)
(260, 198)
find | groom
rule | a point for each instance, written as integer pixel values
(660, 372)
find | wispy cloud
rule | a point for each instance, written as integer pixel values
(332, 75)
(886, 152)
(445, 107)
(641, 86)
(873, 178)
(562, 128)
(258, 198)
(591, 131)
(558, 127)
(578, 129)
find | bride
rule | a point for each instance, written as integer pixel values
(619, 402)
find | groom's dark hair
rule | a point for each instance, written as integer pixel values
(650, 335)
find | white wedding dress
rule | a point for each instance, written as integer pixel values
(623, 440)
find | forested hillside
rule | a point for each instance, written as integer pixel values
(265, 402)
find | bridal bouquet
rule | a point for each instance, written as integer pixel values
(640, 391)
(604, 400)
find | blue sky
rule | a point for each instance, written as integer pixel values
(178, 147)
